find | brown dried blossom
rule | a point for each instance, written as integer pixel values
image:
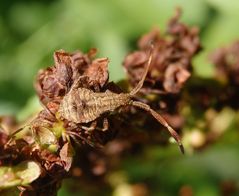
(225, 87)
(54, 164)
(171, 64)
(49, 139)
(226, 60)
(54, 82)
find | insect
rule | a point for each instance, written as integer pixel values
(81, 105)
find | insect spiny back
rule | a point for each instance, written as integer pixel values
(83, 105)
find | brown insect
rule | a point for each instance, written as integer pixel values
(81, 105)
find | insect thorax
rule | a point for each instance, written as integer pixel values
(83, 105)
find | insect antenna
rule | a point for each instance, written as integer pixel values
(147, 108)
(13, 135)
(141, 82)
(160, 119)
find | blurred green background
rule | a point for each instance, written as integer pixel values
(30, 30)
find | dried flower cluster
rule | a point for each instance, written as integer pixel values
(226, 60)
(171, 64)
(225, 87)
(54, 82)
(46, 138)
(49, 141)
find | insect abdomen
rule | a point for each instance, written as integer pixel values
(83, 105)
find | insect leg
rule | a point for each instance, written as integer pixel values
(51, 114)
(105, 124)
(73, 135)
(159, 118)
(74, 139)
(91, 128)
(13, 135)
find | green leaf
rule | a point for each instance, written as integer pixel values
(22, 174)
(45, 136)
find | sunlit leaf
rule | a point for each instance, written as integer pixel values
(22, 174)
(45, 136)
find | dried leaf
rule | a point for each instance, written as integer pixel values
(98, 72)
(63, 68)
(66, 155)
(175, 77)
